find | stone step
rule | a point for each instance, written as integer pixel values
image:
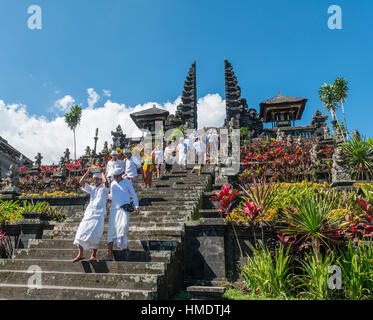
(81, 279)
(23, 292)
(132, 244)
(138, 223)
(145, 234)
(209, 213)
(120, 255)
(120, 267)
(144, 214)
(144, 205)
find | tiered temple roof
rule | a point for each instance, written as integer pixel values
(236, 107)
(187, 110)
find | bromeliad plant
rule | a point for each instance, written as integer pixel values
(359, 154)
(225, 199)
(312, 220)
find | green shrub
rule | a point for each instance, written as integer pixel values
(357, 270)
(269, 275)
(314, 279)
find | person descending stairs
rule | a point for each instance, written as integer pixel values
(152, 268)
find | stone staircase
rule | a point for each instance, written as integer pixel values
(151, 269)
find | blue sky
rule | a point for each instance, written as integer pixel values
(141, 50)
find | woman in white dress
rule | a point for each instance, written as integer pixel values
(168, 158)
(121, 193)
(92, 225)
(182, 153)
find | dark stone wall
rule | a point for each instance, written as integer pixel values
(211, 252)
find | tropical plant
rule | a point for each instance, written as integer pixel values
(329, 99)
(341, 93)
(72, 119)
(357, 270)
(312, 219)
(262, 195)
(284, 161)
(314, 279)
(269, 274)
(43, 208)
(9, 211)
(225, 199)
(359, 156)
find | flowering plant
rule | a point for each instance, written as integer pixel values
(225, 199)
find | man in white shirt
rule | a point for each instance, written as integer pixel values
(92, 225)
(130, 167)
(121, 191)
(113, 164)
(200, 148)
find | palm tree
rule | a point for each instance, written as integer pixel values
(72, 119)
(341, 93)
(329, 99)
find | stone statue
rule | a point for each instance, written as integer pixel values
(299, 141)
(87, 151)
(37, 163)
(340, 169)
(280, 135)
(66, 155)
(315, 153)
(338, 135)
(10, 182)
(105, 150)
(62, 167)
(119, 138)
(289, 140)
(327, 134)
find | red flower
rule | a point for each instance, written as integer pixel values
(250, 210)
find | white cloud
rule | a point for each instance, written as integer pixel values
(211, 111)
(93, 97)
(64, 103)
(31, 134)
(107, 93)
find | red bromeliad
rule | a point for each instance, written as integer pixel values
(225, 198)
(250, 210)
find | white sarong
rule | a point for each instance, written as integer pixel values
(90, 229)
(118, 228)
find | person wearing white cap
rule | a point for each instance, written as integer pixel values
(130, 167)
(121, 191)
(92, 225)
(114, 163)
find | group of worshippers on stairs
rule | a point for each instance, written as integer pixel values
(118, 185)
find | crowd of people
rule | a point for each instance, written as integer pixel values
(116, 186)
